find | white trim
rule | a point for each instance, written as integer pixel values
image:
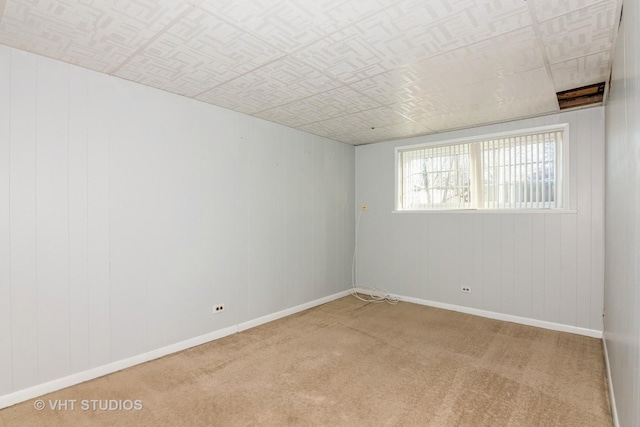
(564, 155)
(612, 399)
(556, 211)
(289, 311)
(60, 383)
(505, 317)
(71, 380)
(565, 173)
(74, 379)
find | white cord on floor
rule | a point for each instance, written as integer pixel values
(374, 294)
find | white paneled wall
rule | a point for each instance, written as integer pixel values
(622, 278)
(126, 213)
(6, 363)
(541, 266)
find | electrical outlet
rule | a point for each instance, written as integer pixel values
(219, 308)
(365, 207)
(465, 289)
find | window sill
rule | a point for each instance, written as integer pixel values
(491, 211)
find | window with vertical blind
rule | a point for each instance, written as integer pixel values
(522, 170)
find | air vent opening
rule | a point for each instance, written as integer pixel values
(581, 97)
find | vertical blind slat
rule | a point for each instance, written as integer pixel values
(513, 172)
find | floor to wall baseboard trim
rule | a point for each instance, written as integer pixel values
(74, 379)
(498, 316)
(612, 399)
(289, 311)
(80, 377)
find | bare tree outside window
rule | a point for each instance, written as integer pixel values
(521, 171)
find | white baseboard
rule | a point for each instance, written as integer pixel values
(71, 380)
(499, 316)
(74, 379)
(612, 399)
(289, 311)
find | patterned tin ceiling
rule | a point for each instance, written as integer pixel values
(357, 71)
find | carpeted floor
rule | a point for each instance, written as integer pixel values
(348, 363)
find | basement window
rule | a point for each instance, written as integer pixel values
(521, 170)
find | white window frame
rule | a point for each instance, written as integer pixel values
(562, 158)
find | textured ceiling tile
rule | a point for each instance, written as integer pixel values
(547, 9)
(196, 54)
(515, 52)
(409, 31)
(512, 53)
(323, 106)
(581, 71)
(580, 33)
(385, 133)
(514, 96)
(346, 55)
(413, 29)
(360, 121)
(288, 24)
(97, 34)
(534, 85)
(277, 83)
(440, 63)
(398, 85)
(421, 108)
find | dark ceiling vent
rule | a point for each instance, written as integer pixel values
(580, 97)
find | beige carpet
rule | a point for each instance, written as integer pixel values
(349, 363)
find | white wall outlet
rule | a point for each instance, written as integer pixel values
(365, 207)
(465, 289)
(218, 308)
